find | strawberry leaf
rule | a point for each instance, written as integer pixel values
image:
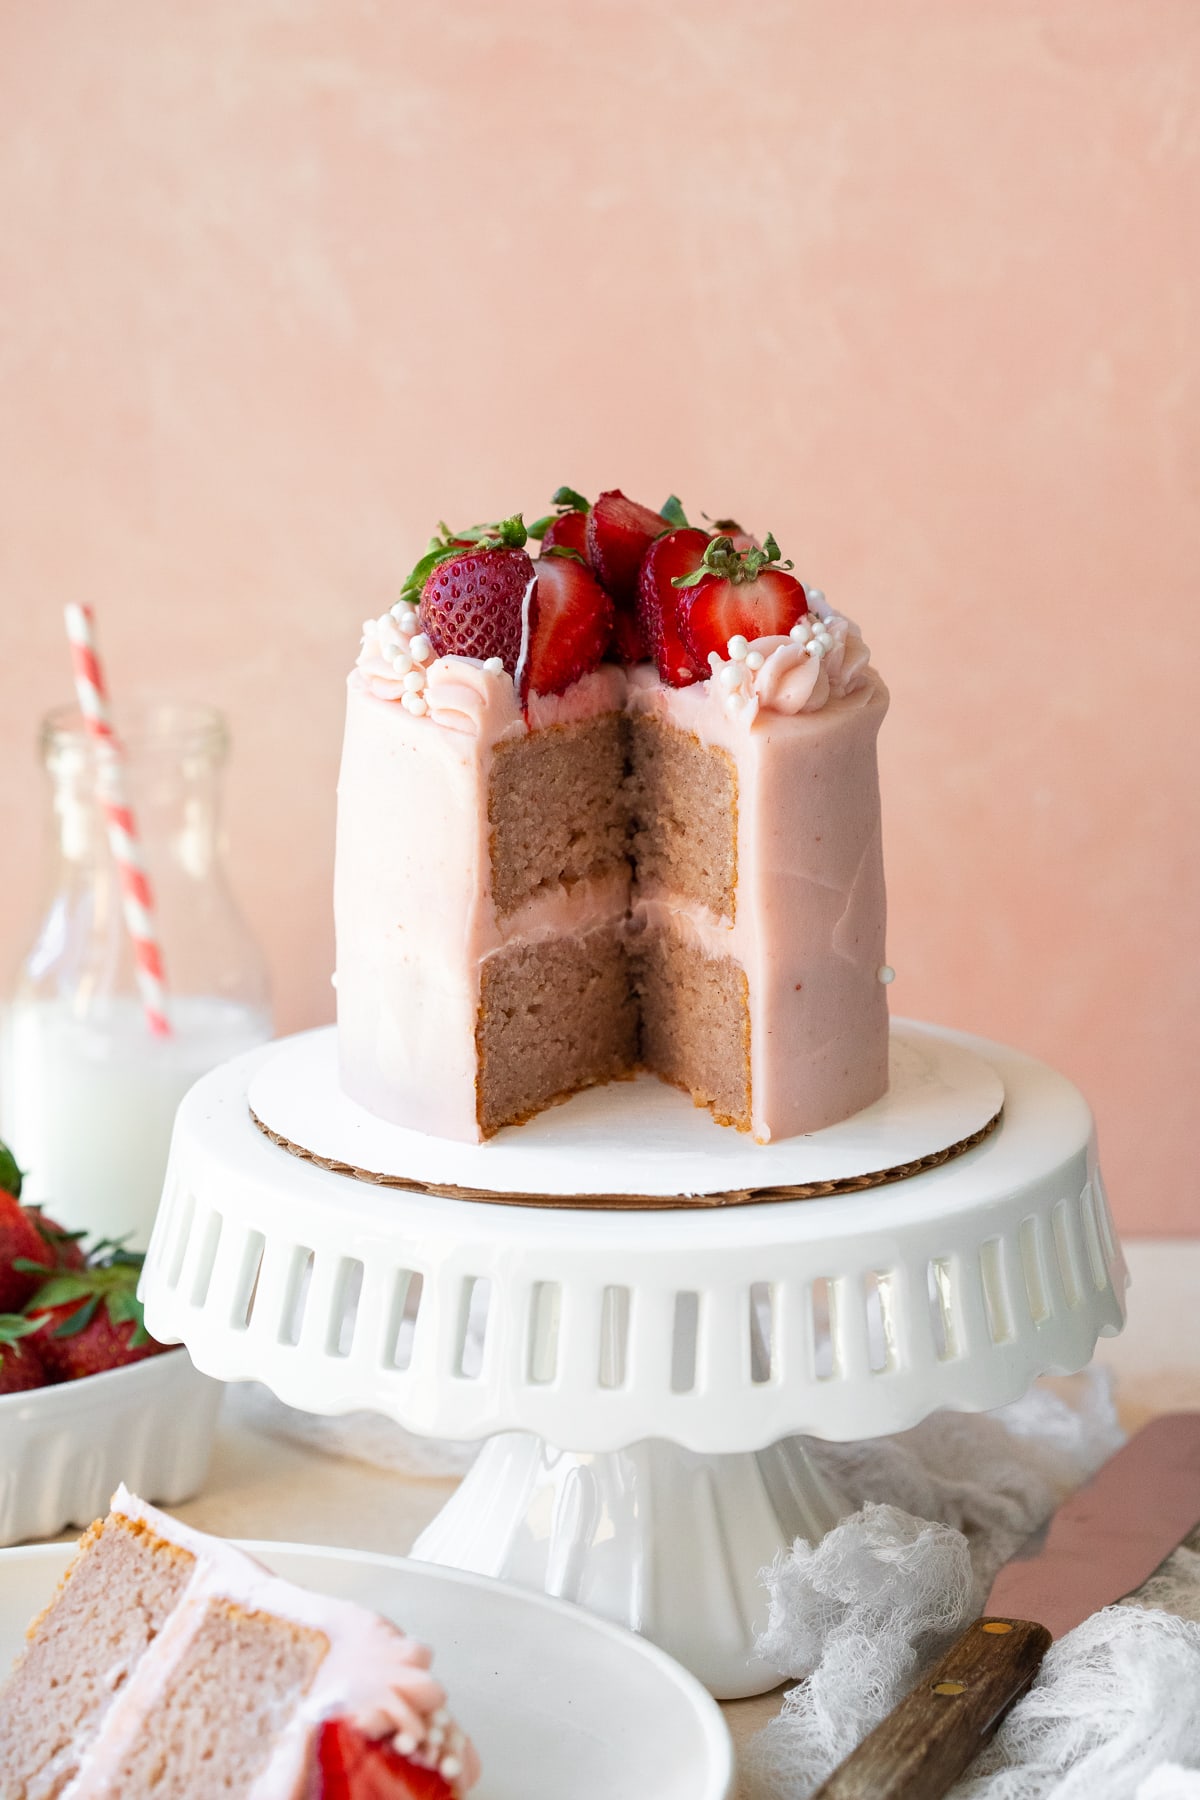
(14, 1326)
(568, 500)
(565, 550)
(723, 559)
(60, 1290)
(506, 534)
(76, 1321)
(672, 511)
(10, 1176)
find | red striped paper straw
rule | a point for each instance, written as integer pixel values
(137, 900)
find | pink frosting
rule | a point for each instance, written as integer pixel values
(463, 695)
(811, 904)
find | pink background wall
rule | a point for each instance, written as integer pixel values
(282, 283)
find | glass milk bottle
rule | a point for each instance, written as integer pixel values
(87, 1093)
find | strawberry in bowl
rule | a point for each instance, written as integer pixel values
(88, 1398)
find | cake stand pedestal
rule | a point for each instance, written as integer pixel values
(643, 1377)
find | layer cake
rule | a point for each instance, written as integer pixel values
(537, 891)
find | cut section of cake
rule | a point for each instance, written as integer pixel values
(555, 867)
(171, 1664)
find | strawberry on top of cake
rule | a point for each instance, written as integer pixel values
(609, 807)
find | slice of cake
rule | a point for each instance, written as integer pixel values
(171, 1664)
(615, 808)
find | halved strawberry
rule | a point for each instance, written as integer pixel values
(352, 1766)
(567, 532)
(567, 525)
(737, 593)
(572, 619)
(679, 553)
(475, 588)
(619, 532)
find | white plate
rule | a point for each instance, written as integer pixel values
(561, 1704)
(639, 1137)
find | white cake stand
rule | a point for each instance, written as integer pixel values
(642, 1377)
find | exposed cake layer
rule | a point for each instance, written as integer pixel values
(81, 1649)
(694, 1019)
(810, 916)
(555, 1016)
(426, 815)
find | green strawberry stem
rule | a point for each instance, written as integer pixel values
(722, 559)
(565, 500)
(504, 534)
(10, 1176)
(111, 1282)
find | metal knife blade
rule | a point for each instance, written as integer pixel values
(1109, 1535)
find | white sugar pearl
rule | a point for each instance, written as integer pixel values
(755, 660)
(408, 624)
(730, 675)
(404, 1742)
(401, 662)
(414, 681)
(440, 1717)
(403, 609)
(416, 704)
(494, 665)
(421, 647)
(814, 648)
(434, 1739)
(801, 632)
(738, 648)
(450, 1768)
(815, 597)
(887, 974)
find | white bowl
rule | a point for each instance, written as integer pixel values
(64, 1449)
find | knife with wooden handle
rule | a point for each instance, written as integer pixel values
(1101, 1544)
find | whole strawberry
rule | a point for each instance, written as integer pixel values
(737, 593)
(474, 589)
(21, 1368)
(61, 1249)
(90, 1320)
(20, 1243)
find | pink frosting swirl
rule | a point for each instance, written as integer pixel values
(463, 695)
(382, 638)
(790, 680)
(410, 1709)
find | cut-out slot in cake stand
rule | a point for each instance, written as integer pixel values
(644, 1379)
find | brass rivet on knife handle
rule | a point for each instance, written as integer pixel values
(923, 1746)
